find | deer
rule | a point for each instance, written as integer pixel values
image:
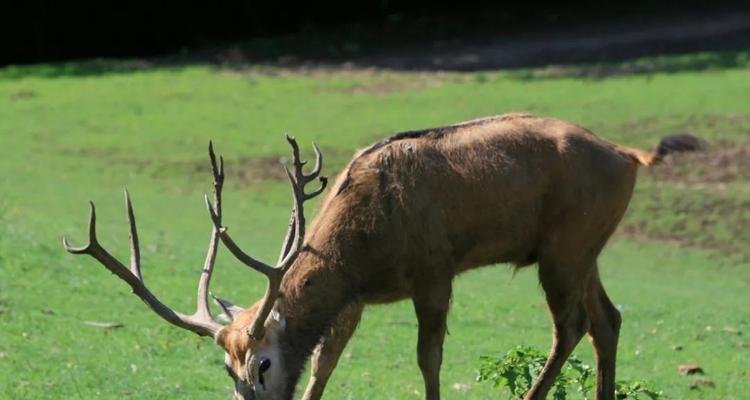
(405, 217)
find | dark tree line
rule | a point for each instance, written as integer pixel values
(49, 30)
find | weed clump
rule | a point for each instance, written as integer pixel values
(516, 370)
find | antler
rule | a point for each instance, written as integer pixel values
(201, 322)
(292, 242)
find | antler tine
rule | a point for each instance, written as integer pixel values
(216, 170)
(300, 177)
(92, 234)
(295, 151)
(135, 250)
(315, 172)
(298, 181)
(323, 183)
(204, 282)
(296, 232)
(318, 162)
(288, 239)
(194, 323)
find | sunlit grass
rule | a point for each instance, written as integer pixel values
(69, 138)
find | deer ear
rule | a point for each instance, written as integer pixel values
(278, 318)
(221, 337)
(229, 311)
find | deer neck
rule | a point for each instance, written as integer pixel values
(325, 279)
(314, 294)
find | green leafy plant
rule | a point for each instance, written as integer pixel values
(516, 370)
(634, 389)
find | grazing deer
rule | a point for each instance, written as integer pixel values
(406, 216)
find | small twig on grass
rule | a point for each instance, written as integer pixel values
(103, 325)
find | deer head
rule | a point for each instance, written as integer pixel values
(252, 354)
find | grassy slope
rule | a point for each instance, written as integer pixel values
(69, 139)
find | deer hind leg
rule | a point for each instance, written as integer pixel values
(431, 307)
(327, 354)
(603, 334)
(564, 290)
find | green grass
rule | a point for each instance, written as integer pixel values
(71, 137)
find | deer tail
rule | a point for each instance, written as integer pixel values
(674, 143)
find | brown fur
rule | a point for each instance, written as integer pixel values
(415, 210)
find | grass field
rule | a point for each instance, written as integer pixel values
(679, 268)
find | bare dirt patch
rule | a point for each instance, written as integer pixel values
(718, 167)
(364, 80)
(696, 200)
(23, 94)
(243, 171)
(392, 85)
(247, 170)
(719, 225)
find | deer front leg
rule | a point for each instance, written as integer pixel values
(432, 311)
(327, 354)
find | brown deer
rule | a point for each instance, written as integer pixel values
(406, 216)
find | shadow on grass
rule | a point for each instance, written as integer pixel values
(663, 63)
(693, 62)
(76, 68)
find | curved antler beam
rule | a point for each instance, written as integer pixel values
(201, 322)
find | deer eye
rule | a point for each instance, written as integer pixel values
(265, 364)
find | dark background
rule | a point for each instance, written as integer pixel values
(41, 31)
